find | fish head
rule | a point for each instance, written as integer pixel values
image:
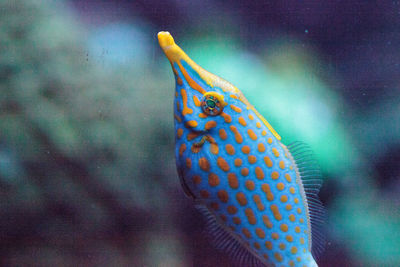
(203, 100)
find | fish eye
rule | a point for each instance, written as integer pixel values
(212, 103)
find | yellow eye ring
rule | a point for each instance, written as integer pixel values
(212, 103)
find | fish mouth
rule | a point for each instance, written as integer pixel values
(187, 67)
(180, 60)
(173, 52)
(165, 39)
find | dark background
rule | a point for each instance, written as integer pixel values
(87, 174)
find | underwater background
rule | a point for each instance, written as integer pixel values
(87, 172)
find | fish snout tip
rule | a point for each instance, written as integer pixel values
(165, 39)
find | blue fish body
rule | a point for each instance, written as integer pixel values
(260, 196)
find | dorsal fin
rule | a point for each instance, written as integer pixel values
(224, 240)
(310, 175)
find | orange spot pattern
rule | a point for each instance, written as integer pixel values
(275, 151)
(222, 134)
(251, 134)
(268, 161)
(267, 221)
(241, 198)
(230, 149)
(280, 186)
(242, 121)
(191, 124)
(267, 190)
(192, 135)
(177, 118)
(231, 209)
(278, 256)
(182, 149)
(282, 164)
(213, 145)
(284, 227)
(246, 149)
(204, 164)
(252, 159)
(226, 117)
(260, 233)
(196, 101)
(238, 162)
(196, 179)
(195, 148)
(222, 164)
(202, 115)
(210, 124)
(186, 110)
(204, 194)
(284, 198)
(213, 179)
(179, 133)
(275, 211)
(289, 238)
(237, 220)
(274, 236)
(244, 171)
(261, 147)
(246, 232)
(257, 200)
(188, 163)
(236, 109)
(233, 181)
(259, 173)
(238, 137)
(274, 175)
(250, 216)
(214, 148)
(223, 196)
(250, 185)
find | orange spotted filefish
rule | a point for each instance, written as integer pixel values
(260, 197)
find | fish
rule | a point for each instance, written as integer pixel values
(259, 196)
